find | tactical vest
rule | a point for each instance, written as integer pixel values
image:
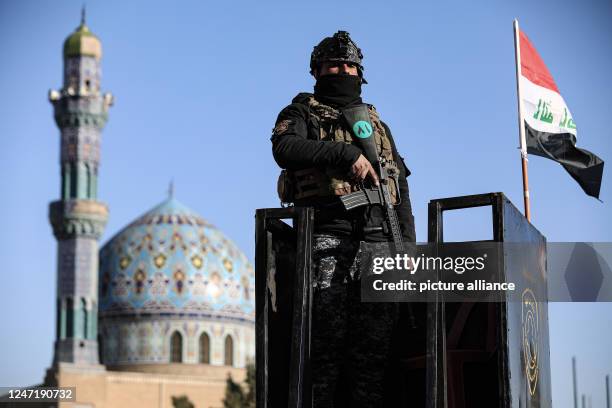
(312, 183)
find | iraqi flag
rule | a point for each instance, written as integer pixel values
(550, 129)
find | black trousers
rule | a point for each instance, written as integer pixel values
(351, 340)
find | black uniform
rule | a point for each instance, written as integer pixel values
(350, 339)
(299, 147)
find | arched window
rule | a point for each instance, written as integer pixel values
(58, 320)
(69, 318)
(84, 318)
(176, 347)
(73, 180)
(100, 349)
(204, 349)
(81, 180)
(122, 346)
(66, 182)
(229, 351)
(94, 182)
(87, 171)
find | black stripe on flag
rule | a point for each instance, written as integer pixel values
(584, 167)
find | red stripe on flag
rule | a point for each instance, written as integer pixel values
(532, 66)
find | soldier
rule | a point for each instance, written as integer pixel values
(313, 144)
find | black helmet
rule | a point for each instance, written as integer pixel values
(340, 47)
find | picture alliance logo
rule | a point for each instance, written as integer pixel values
(457, 264)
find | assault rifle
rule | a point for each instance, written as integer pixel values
(358, 119)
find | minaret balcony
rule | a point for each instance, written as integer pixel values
(78, 217)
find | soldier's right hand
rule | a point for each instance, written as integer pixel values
(362, 169)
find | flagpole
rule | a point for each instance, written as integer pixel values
(523, 143)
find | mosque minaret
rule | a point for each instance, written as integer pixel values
(78, 218)
(165, 308)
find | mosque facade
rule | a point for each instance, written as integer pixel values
(166, 307)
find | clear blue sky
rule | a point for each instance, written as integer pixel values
(198, 86)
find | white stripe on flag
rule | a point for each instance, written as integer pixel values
(545, 110)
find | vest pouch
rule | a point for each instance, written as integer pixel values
(309, 183)
(284, 187)
(327, 124)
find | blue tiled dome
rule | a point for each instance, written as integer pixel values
(171, 262)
